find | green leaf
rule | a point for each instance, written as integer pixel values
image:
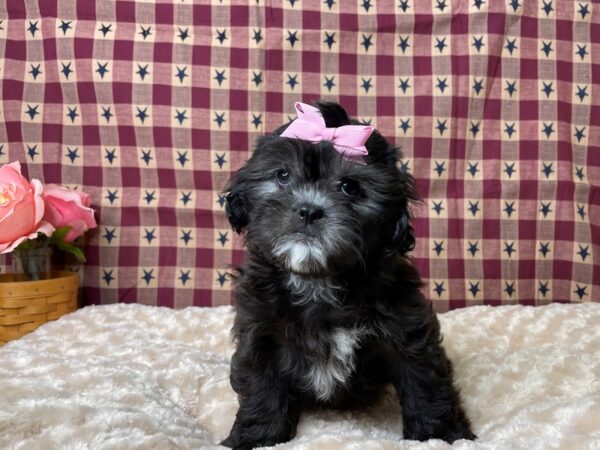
(26, 245)
(60, 234)
(73, 249)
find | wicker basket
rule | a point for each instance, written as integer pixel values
(25, 305)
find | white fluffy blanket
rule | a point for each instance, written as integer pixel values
(132, 376)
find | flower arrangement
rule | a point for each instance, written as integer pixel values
(34, 217)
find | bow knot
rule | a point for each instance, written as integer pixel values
(349, 140)
(328, 134)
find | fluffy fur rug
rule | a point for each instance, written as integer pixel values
(132, 376)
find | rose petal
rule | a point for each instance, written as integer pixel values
(78, 227)
(39, 201)
(11, 174)
(20, 222)
(52, 212)
(86, 199)
(44, 228)
(56, 191)
(64, 207)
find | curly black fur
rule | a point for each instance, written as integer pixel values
(333, 324)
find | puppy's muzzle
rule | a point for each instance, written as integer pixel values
(309, 213)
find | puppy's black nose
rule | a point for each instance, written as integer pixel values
(310, 213)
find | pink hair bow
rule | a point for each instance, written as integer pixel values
(349, 140)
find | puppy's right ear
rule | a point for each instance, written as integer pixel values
(235, 201)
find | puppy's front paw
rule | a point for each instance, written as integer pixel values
(235, 443)
(234, 440)
(229, 442)
(448, 432)
(459, 431)
(249, 436)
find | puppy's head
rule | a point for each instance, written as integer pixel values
(309, 211)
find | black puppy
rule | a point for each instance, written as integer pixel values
(329, 309)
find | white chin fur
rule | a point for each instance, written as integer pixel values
(300, 256)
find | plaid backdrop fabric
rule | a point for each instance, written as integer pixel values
(150, 105)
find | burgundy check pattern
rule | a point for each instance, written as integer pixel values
(150, 105)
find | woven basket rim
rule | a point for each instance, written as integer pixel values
(64, 276)
(55, 274)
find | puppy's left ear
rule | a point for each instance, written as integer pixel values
(404, 235)
(235, 206)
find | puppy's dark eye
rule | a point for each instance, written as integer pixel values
(350, 188)
(283, 177)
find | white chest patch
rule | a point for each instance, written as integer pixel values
(326, 374)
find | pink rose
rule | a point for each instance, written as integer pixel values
(65, 207)
(21, 208)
